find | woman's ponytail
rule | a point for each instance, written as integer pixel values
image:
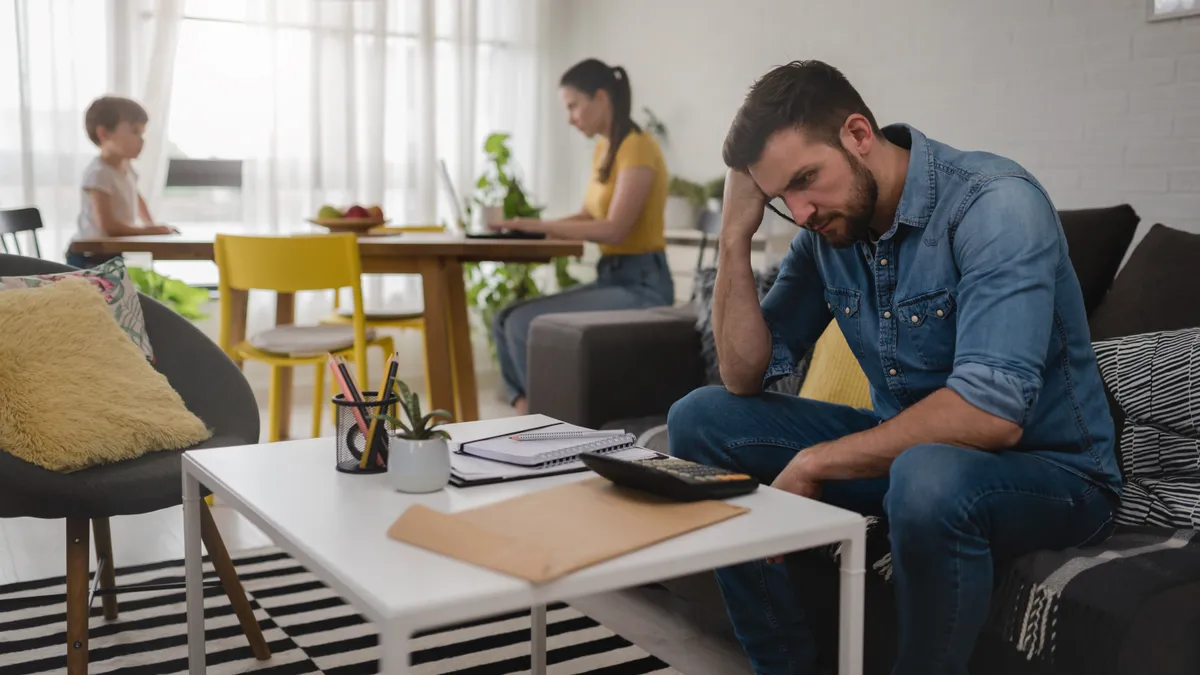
(592, 75)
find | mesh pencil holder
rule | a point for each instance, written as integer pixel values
(351, 439)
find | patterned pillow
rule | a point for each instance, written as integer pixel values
(1155, 378)
(113, 281)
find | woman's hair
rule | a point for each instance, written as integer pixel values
(592, 75)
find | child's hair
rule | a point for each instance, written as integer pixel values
(109, 111)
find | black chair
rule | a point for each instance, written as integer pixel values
(14, 221)
(215, 390)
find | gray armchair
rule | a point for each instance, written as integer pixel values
(214, 389)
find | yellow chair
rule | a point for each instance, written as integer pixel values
(398, 319)
(289, 265)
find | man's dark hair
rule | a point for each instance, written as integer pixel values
(811, 96)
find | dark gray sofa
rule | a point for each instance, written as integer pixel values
(624, 369)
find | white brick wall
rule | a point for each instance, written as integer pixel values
(1100, 104)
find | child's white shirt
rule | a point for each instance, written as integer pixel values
(120, 186)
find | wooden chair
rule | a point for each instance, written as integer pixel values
(215, 391)
(15, 221)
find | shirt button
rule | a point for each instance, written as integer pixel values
(887, 315)
(828, 306)
(883, 261)
(846, 311)
(941, 313)
(915, 318)
(892, 371)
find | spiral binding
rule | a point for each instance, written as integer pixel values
(606, 445)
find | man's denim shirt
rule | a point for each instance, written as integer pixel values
(970, 289)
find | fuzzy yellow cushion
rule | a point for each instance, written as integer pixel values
(834, 375)
(75, 391)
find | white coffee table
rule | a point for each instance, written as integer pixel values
(335, 525)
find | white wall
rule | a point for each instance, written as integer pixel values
(1101, 105)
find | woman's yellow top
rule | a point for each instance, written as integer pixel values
(638, 149)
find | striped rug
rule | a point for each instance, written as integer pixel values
(310, 630)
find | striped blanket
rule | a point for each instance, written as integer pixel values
(1082, 606)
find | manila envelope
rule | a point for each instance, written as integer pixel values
(547, 534)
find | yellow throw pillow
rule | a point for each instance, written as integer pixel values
(834, 375)
(75, 391)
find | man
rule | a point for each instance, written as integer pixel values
(947, 272)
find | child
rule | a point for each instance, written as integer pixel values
(111, 202)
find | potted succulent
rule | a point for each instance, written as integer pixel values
(418, 456)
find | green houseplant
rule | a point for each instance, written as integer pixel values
(182, 299)
(491, 285)
(418, 457)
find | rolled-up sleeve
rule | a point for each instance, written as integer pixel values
(1007, 247)
(794, 309)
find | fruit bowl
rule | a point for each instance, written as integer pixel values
(360, 225)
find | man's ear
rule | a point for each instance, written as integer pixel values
(858, 135)
(103, 132)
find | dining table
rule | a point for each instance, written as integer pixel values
(438, 257)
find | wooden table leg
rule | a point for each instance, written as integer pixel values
(285, 313)
(437, 335)
(239, 302)
(462, 357)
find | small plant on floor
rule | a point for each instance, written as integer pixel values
(419, 427)
(178, 296)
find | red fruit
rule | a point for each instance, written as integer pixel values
(356, 212)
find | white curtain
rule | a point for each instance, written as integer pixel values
(358, 102)
(344, 102)
(56, 56)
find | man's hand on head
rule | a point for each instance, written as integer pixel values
(742, 210)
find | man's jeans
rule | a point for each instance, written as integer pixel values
(951, 512)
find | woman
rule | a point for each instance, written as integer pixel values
(623, 212)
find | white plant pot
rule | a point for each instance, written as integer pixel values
(680, 214)
(418, 466)
(483, 216)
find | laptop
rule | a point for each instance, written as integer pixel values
(452, 195)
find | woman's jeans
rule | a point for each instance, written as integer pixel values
(622, 282)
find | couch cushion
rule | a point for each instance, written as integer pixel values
(1109, 609)
(1155, 378)
(74, 390)
(1156, 290)
(1097, 240)
(113, 281)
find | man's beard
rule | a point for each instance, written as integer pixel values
(860, 210)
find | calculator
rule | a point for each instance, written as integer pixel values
(670, 477)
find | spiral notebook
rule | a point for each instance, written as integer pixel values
(564, 447)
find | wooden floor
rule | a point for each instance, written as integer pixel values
(667, 627)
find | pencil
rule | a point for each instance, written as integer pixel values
(369, 441)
